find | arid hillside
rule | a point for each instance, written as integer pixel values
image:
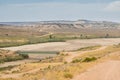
(83, 64)
(80, 26)
(7, 56)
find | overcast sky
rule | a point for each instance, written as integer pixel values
(44, 10)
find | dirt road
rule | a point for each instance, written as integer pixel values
(68, 45)
(109, 70)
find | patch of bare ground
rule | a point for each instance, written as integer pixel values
(104, 71)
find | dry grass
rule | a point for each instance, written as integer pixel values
(61, 71)
(101, 53)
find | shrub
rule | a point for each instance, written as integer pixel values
(1, 61)
(65, 62)
(14, 58)
(49, 67)
(15, 71)
(68, 75)
(25, 56)
(76, 60)
(88, 59)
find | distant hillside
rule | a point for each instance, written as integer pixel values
(98, 24)
(63, 23)
(62, 26)
(22, 33)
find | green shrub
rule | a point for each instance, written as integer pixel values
(65, 62)
(25, 56)
(15, 71)
(88, 59)
(1, 61)
(68, 75)
(76, 60)
(88, 48)
(8, 59)
(14, 58)
(49, 67)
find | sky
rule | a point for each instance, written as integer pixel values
(45, 10)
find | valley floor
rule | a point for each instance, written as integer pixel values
(66, 46)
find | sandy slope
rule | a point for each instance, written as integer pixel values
(75, 54)
(109, 70)
(35, 69)
(19, 74)
(68, 45)
(13, 63)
